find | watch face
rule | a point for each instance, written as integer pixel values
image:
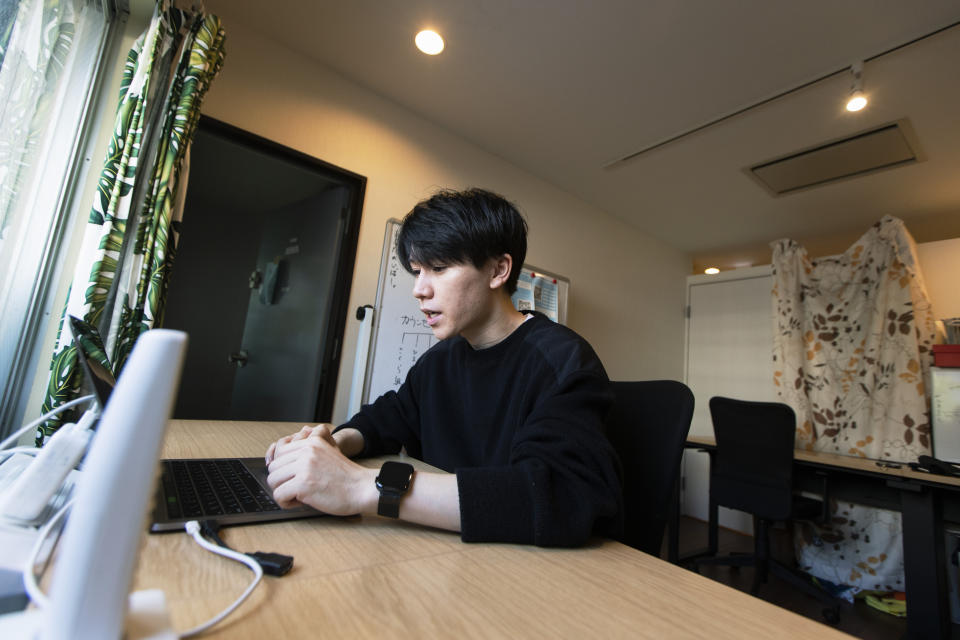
(395, 475)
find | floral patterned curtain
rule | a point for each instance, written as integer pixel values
(128, 249)
(852, 356)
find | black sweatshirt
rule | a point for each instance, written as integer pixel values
(521, 424)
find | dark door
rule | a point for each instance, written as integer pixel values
(261, 279)
(285, 325)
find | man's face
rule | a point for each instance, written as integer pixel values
(457, 299)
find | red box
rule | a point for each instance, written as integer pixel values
(946, 355)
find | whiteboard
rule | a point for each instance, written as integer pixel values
(401, 334)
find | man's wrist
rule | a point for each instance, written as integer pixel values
(368, 494)
(349, 441)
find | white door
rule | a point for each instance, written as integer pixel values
(729, 353)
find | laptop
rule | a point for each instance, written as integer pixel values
(229, 491)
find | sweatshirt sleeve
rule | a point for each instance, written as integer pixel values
(390, 422)
(563, 481)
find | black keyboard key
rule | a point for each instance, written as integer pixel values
(197, 488)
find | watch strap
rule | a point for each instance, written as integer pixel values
(389, 504)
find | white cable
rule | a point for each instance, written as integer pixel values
(29, 577)
(30, 450)
(193, 528)
(30, 584)
(43, 418)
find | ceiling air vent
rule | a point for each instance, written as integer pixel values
(890, 145)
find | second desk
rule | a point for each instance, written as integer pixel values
(924, 500)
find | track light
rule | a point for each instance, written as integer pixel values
(857, 100)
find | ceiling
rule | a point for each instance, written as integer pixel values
(566, 88)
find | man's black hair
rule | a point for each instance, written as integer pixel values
(460, 227)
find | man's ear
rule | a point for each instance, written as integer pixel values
(500, 270)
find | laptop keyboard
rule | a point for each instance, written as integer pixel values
(204, 488)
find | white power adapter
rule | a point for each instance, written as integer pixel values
(148, 618)
(28, 496)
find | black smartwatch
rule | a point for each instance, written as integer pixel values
(393, 482)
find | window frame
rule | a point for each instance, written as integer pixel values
(59, 211)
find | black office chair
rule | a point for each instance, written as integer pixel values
(752, 471)
(648, 426)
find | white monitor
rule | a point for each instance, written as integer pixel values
(94, 567)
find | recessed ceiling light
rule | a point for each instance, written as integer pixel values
(429, 42)
(711, 270)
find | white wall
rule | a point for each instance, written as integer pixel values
(940, 265)
(627, 290)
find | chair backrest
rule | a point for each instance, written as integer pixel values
(648, 426)
(753, 467)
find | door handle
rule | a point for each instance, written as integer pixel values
(238, 358)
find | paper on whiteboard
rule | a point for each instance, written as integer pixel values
(537, 293)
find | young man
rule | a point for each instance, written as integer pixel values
(509, 405)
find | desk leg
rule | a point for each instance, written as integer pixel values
(673, 524)
(928, 609)
(713, 525)
(713, 521)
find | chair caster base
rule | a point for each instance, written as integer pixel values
(832, 615)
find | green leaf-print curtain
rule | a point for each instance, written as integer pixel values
(130, 241)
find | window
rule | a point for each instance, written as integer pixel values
(51, 54)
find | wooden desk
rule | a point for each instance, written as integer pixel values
(851, 463)
(924, 500)
(374, 577)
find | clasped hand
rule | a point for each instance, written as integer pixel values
(308, 467)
